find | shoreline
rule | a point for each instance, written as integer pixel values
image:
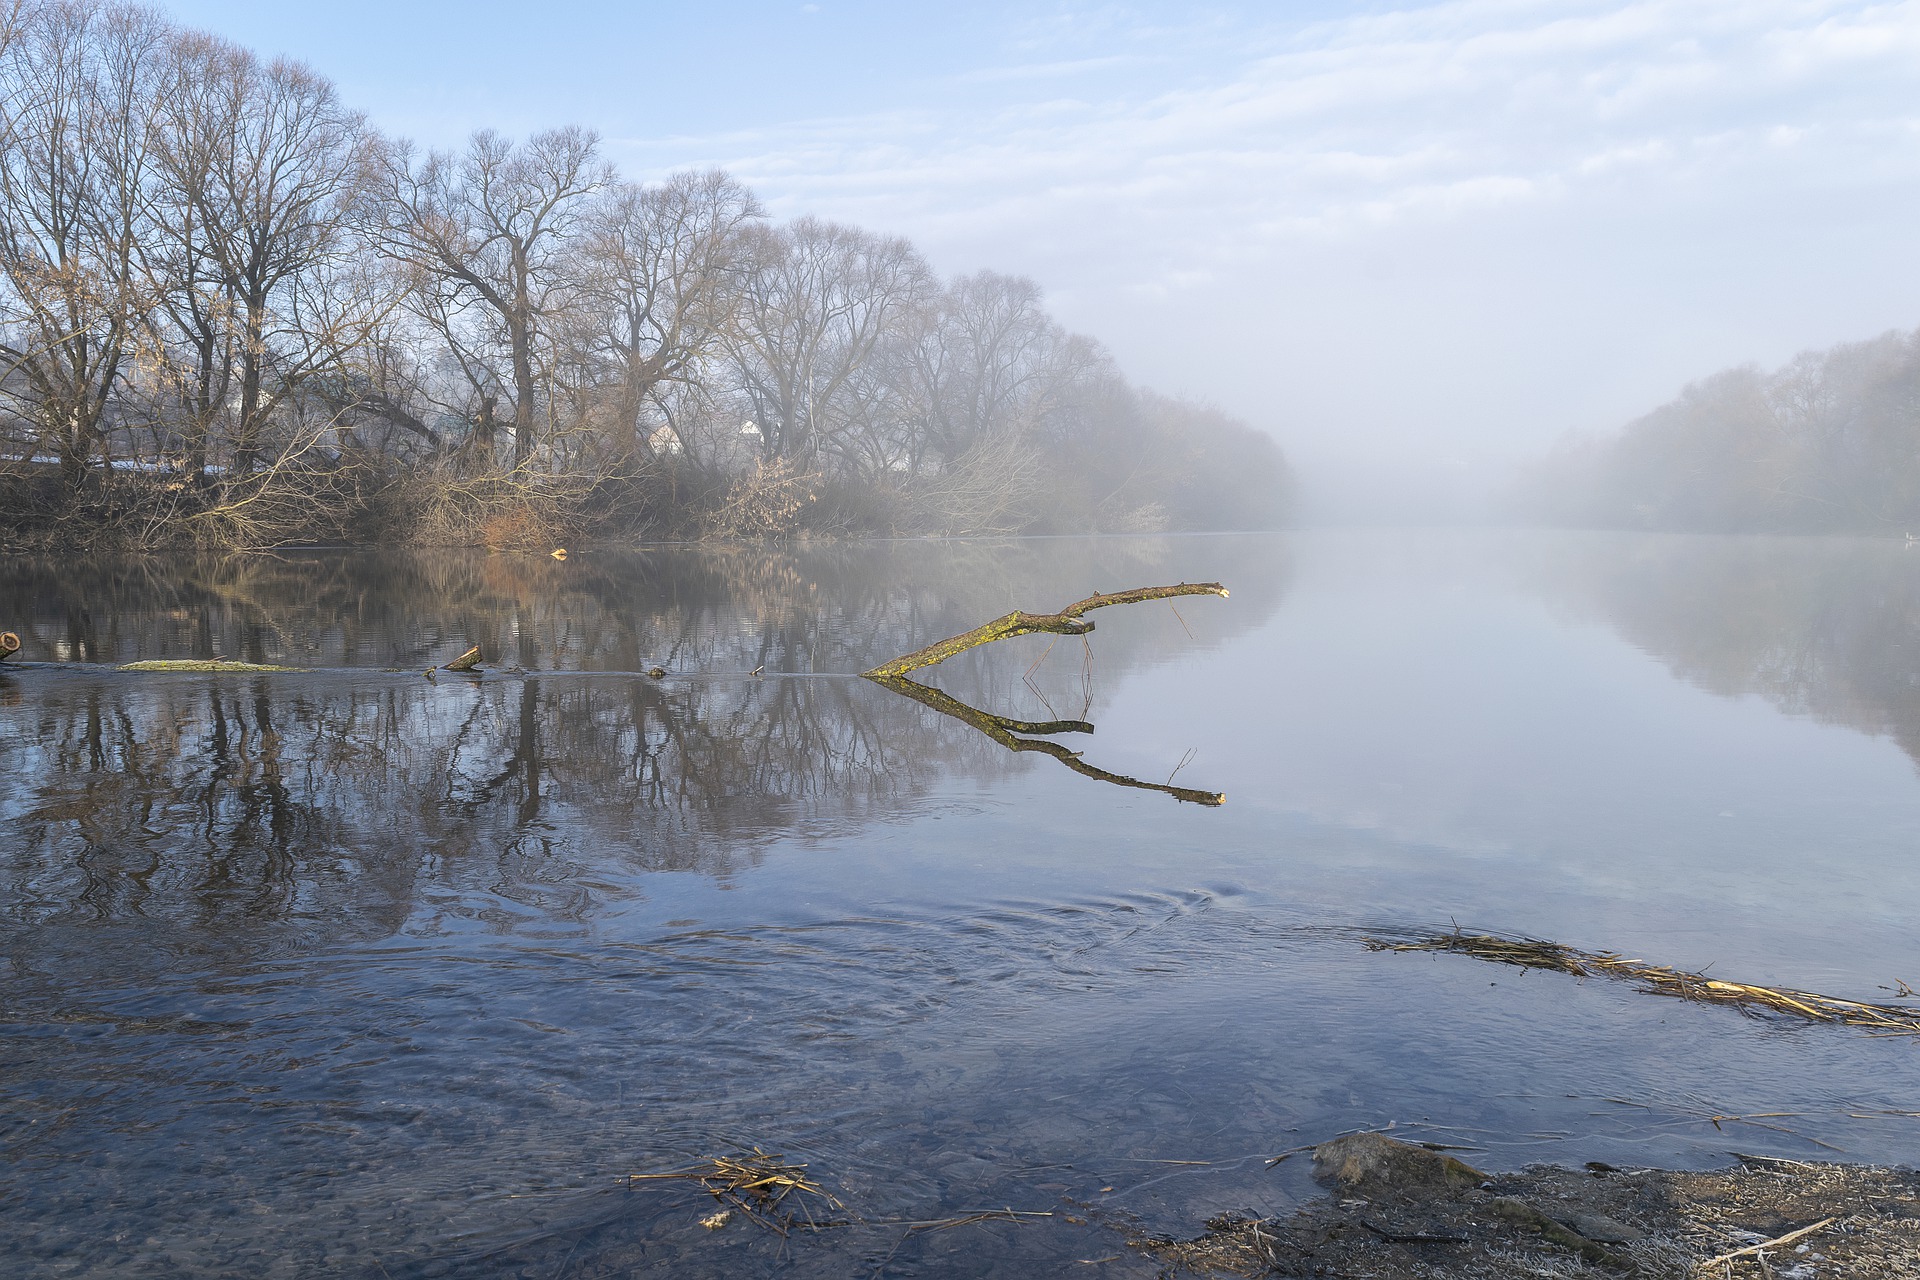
(1401, 1211)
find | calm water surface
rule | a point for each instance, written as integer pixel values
(356, 973)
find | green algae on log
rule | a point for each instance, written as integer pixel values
(201, 665)
(466, 662)
(1067, 622)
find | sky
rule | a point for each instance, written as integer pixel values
(1417, 242)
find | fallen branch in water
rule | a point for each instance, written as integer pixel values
(1531, 953)
(1067, 622)
(1007, 733)
(201, 665)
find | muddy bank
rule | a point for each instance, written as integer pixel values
(1399, 1210)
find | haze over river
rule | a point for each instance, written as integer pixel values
(351, 972)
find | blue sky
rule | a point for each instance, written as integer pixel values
(1415, 241)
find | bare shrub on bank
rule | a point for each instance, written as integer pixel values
(995, 487)
(766, 502)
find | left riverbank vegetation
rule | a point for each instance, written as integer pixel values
(232, 313)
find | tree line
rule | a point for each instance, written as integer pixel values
(1828, 443)
(232, 311)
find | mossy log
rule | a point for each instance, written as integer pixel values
(9, 645)
(465, 662)
(1069, 621)
(202, 666)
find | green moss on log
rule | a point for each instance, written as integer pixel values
(198, 665)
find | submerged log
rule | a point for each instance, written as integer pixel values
(201, 665)
(9, 645)
(1008, 733)
(1069, 621)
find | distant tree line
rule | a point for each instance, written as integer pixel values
(1829, 443)
(232, 311)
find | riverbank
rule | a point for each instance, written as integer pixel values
(1397, 1210)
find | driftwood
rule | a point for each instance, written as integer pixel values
(203, 666)
(1659, 980)
(465, 662)
(1067, 622)
(1031, 735)
(9, 645)
(1008, 733)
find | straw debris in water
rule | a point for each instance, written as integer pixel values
(1531, 953)
(765, 1187)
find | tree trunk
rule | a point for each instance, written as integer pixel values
(246, 449)
(520, 325)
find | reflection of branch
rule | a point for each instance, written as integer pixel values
(1068, 622)
(1006, 732)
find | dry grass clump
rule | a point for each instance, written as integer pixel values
(1531, 953)
(768, 1188)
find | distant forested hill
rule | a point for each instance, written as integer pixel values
(1828, 443)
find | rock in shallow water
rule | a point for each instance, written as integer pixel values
(1371, 1164)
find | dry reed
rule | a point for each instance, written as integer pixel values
(765, 1187)
(1531, 953)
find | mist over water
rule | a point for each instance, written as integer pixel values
(355, 972)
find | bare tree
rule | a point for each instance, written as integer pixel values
(817, 301)
(76, 154)
(491, 231)
(261, 172)
(266, 167)
(662, 267)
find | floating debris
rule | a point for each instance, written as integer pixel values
(768, 1188)
(1532, 953)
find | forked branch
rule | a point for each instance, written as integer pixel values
(1069, 621)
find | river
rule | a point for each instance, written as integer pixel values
(358, 972)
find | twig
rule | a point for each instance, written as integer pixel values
(1412, 1237)
(1774, 1243)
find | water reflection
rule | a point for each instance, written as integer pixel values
(831, 607)
(234, 811)
(1032, 735)
(354, 973)
(288, 954)
(1823, 627)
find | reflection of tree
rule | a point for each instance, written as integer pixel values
(830, 607)
(1029, 735)
(1822, 627)
(232, 814)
